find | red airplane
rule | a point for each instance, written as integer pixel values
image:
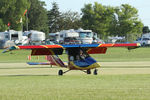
(78, 55)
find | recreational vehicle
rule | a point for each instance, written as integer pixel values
(35, 37)
(69, 37)
(86, 36)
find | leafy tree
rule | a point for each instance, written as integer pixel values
(3, 27)
(146, 29)
(128, 22)
(62, 21)
(97, 18)
(54, 17)
(37, 16)
(11, 11)
(70, 20)
(106, 20)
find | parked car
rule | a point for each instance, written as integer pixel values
(71, 40)
(143, 41)
(98, 41)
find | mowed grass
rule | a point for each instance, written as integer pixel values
(112, 55)
(117, 79)
(75, 87)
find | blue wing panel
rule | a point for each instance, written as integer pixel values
(80, 45)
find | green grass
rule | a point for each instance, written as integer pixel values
(112, 55)
(122, 54)
(75, 87)
(118, 79)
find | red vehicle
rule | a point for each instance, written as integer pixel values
(71, 40)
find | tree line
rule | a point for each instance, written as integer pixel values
(122, 20)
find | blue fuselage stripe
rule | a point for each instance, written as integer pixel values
(85, 62)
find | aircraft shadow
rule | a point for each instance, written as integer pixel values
(25, 67)
(24, 75)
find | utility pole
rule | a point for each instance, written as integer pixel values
(27, 20)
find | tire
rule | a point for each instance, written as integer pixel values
(95, 72)
(143, 44)
(88, 71)
(60, 72)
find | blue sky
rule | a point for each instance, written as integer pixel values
(143, 6)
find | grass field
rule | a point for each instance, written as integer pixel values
(112, 55)
(124, 75)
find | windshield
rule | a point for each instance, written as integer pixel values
(86, 35)
(53, 38)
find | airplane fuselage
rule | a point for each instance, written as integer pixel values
(84, 64)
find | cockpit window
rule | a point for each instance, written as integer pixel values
(77, 54)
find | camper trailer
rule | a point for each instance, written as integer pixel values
(35, 37)
(12, 37)
(17, 37)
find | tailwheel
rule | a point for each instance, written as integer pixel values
(88, 71)
(60, 72)
(95, 72)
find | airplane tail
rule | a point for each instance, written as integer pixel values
(53, 60)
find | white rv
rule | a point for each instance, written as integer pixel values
(86, 36)
(54, 37)
(35, 37)
(12, 37)
(69, 37)
(17, 37)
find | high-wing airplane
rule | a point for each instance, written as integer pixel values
(78, 55)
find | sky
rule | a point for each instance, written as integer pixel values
(143, 6)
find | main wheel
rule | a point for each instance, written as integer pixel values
(88, 71)
(95, 72)
(60, 72)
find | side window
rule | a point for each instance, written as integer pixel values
(139, 39)
(145, 38)
(61, 35)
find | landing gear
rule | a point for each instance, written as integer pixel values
(88, 71)
(95, 72)
(60, 72)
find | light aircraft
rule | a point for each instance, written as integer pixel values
(78, 55)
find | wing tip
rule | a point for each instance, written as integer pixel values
(10, 49)
(138, 44)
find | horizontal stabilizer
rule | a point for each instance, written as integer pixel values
(38, 63)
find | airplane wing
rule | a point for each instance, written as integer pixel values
(102, 48)
(39, 49)
(58, 49)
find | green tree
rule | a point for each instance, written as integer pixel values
(54, 18)
(11, 11)
(146, 29)
(58, 21)
(128, 23)
(3, 27)
(37, 16)
(97, 18)
(70, 20)
(106, 20)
